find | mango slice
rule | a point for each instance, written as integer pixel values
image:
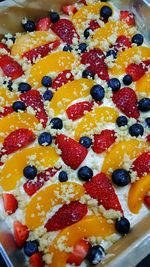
(7, 97)
(127, 57)
(70, 92)
(44, 157)
(49, 197)
(137, 193)
(70, 236)
(55, 62)
(91, 119)
(143, 85)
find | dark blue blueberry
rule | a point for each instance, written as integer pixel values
(105, 12)
(13, 38)
(67, 48)
(29, 26)
(85, 141)
(114, 84)
(82, 47)
(18, 105)
(54, 16)
(121, 177)
(136, 130)
(9, 85)
(24, 87)
(147, 120)
(138, 39)
(48, 95)
(97, 92)
(127, 79)
(45, 139)
(46, 81)
(122, 121)
(56, 123)
(95, 255)
(122, 226)
(85, 173)
(30, 172)
(63, 176)
(31, 247)
(87, 33)
(88, 74)
(111, 53)
(144, 104)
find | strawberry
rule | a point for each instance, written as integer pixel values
(145, 64)
(34, 99)
(128, 17)
(83, 2)
(122, 43)
(65, 29)
(94, 25)
(10, 203)
(62, 78)
(76, 111)
(136, 71)
(7, 110)
(69, 10)
(41, 51)
(100, 188)
(67, 215)
(103, 141)
(21, 233)
(148, 138)
(147, 201)
(142, 164)
(10, 67)
(43, 24)
(36, 260)
(126, 101)
(72, 152)
(79, 252)
(3, 46)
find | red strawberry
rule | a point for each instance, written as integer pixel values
(21, 233)
(136, 71)
(10, 67)
(72, 152)
(148, 138)
(65, 29)
(33, 99)
(77, 110)
(43, 24)
(36, 260)
(122, 43)
(145, 64)
(83, 2)
(79, 252)
(7, 110)
(62, 78)
(127, 17)
(10, 203)
(142, 164)
(94, 25)
(147, 201)
(103, 141)
(126, 102)
(100, 188)
(3, 46)
(67, 215)
(69, 10)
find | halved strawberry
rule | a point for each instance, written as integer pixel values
(69, 10)
(136, 71)
(128, 17)
(10, 203)
(94, 25)
(122, 43)
(67, 215)
(7, 110)
(10, 67)
(103, 141)
(147, 201)
(43, 24)
(4, 46)
(77, 110)
(79, 252)
(62, 78)
(21, 233)
(36, 260)
(141, 165)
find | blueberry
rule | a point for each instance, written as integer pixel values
(121, 177)
(29, 26)
(97, 92)
(105, 12)
(12, 38)
(48, 95)
(95, 254)
(138, 39)
(54, 16)
(18, 105)
(136, 130)
(147, 120)
(24, 87)
(9, 85)
(85, 173)
(85, 141)
(88, 74)
(122, 121)
(67, 48)
(111, 53)
(46, 81)
(127, 79)
(31, 247)
(56, 123)
(122, 225)
(63, 176)
(45, 139)
(144, 104)
(30, 172)
(114, 84)
(87, 33)
(82, 47)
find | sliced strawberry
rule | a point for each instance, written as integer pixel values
(79, 252)
(65, 29)
(10, 203)
(36, 260)
(145, 64)
(43, 24)
(136, 71)
(62, 78)
(126, 101)
(10, 67)
(21, 233)
(94, 25)
(148, 138)
(67, 215)
(103, 141)
(100, 188)
(141, 165)
(7, 110)
(3, 46)
(72, 152)
(128, 17)
(76, 111)
(83, 2)
(69, 10)
(147, 201)
(122, 43)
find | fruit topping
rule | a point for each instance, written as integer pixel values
(122, 225)
(85, 173)
(85, 141)
(114, 84)
(69, 10)
(144, 104)
(10, 67)
(128, 17)
(95, 254)
(29, 26)
(45, 139)
(43, 24)
(31, 247)
(79, 253)
(122, 121)
(97, 92)
(63, 176)
(10, 203)
(121, 177)
(77, 111)
(141, 165)
(21, 233)
(122, 43)
(138, 39)
(136, 130)
(62, 78)
(103, 141)
(56, 123)
(36, 260)
(30, 172)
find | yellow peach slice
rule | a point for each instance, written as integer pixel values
(43, 157)
(49, 197)
(137, 193)
(143, 85)
(127, 57)
(91, 119)
(70, 236)
(70, 92)
(7, 97)
(55, 62)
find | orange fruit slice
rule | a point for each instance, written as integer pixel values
(143, 85)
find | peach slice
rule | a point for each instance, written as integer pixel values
(70, 236)
(55, 62)
(49, 197)
(127, 57)
(70, 92)
(137, 193)
(143, 85)
(91, 119)
(7, 97)
(43, 157)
